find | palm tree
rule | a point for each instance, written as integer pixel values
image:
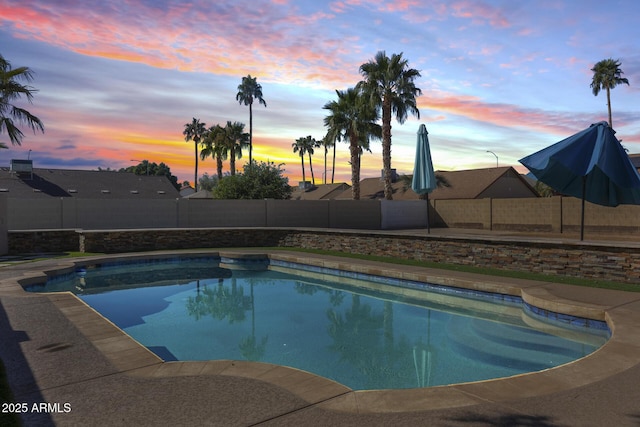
(194, 131)
(300, 147)
(10, 90)
(309, 145)
(607, 75)
(327, 143)
(352, 119)
(236, 140)
(389, 84)
(213, 145)
(407, 180)
(249, 90)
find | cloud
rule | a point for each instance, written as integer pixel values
(274, 40)
(480, 13)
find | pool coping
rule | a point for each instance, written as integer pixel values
(621, 311)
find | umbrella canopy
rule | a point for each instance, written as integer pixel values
(594, 154)
(424, 178)
(591, 165)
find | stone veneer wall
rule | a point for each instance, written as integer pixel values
(41, 241)
(589, 260)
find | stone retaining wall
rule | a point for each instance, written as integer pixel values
(42, 241)
(590, 260)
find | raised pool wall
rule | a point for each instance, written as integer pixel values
(589, 260)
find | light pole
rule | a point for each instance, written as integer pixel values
(489, 151)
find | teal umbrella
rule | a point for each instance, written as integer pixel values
(590, 165)
(424, 178)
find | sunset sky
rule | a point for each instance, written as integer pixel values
(117, 80)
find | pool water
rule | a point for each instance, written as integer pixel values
(360, 334)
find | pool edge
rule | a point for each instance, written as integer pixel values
(618, 354)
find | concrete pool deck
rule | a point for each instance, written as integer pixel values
(57, 350)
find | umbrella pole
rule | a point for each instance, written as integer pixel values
(428, 228)
(584, 187)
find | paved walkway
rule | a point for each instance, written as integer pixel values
(60, 352)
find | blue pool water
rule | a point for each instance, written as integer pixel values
(360, 334)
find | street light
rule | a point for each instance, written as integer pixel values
(489, 151)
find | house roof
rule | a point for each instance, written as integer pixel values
(84, 184)
(464, 184)
(200, 194)
(320, 192)
(635, 160)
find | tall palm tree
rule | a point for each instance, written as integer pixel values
(10, 90)
(310, 144)
(249, 90)
(389, 84)
(607, 75)
(327, 143)
(213, 145)
(300, 147)
(236, 140)
(194, 131)
(352, 118)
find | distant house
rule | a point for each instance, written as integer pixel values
(186, 190)
(24, 182)
(635, 161)
(320, 192)
(200, 194)
(501, 182)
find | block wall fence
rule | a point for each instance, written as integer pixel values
(554, 214)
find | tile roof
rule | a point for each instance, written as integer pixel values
(320, 192)
(465, 184)
(84, 184)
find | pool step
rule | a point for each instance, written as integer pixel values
(505, 345)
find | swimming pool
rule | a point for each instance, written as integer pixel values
(382, 333)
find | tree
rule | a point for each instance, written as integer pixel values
(194, 131)
(249, 90)
(327, 143)
(214, 145)
(236, 140)
(208, 183)
(389, 84)
(407, 180)
(153, 169)
(300, 147)
(304, 146)
(353, 119)
(10, 90)
(259, 180)
(607, 75)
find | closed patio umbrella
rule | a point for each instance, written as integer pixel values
(424, 178)
(590, 165)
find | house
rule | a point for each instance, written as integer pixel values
(25, 182)
(186, 190)
(635, 161)
(500, 182)
(320, 192)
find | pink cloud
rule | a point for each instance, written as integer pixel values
(507, 115)
(480, 13)
(400, 5)
(192, 40)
